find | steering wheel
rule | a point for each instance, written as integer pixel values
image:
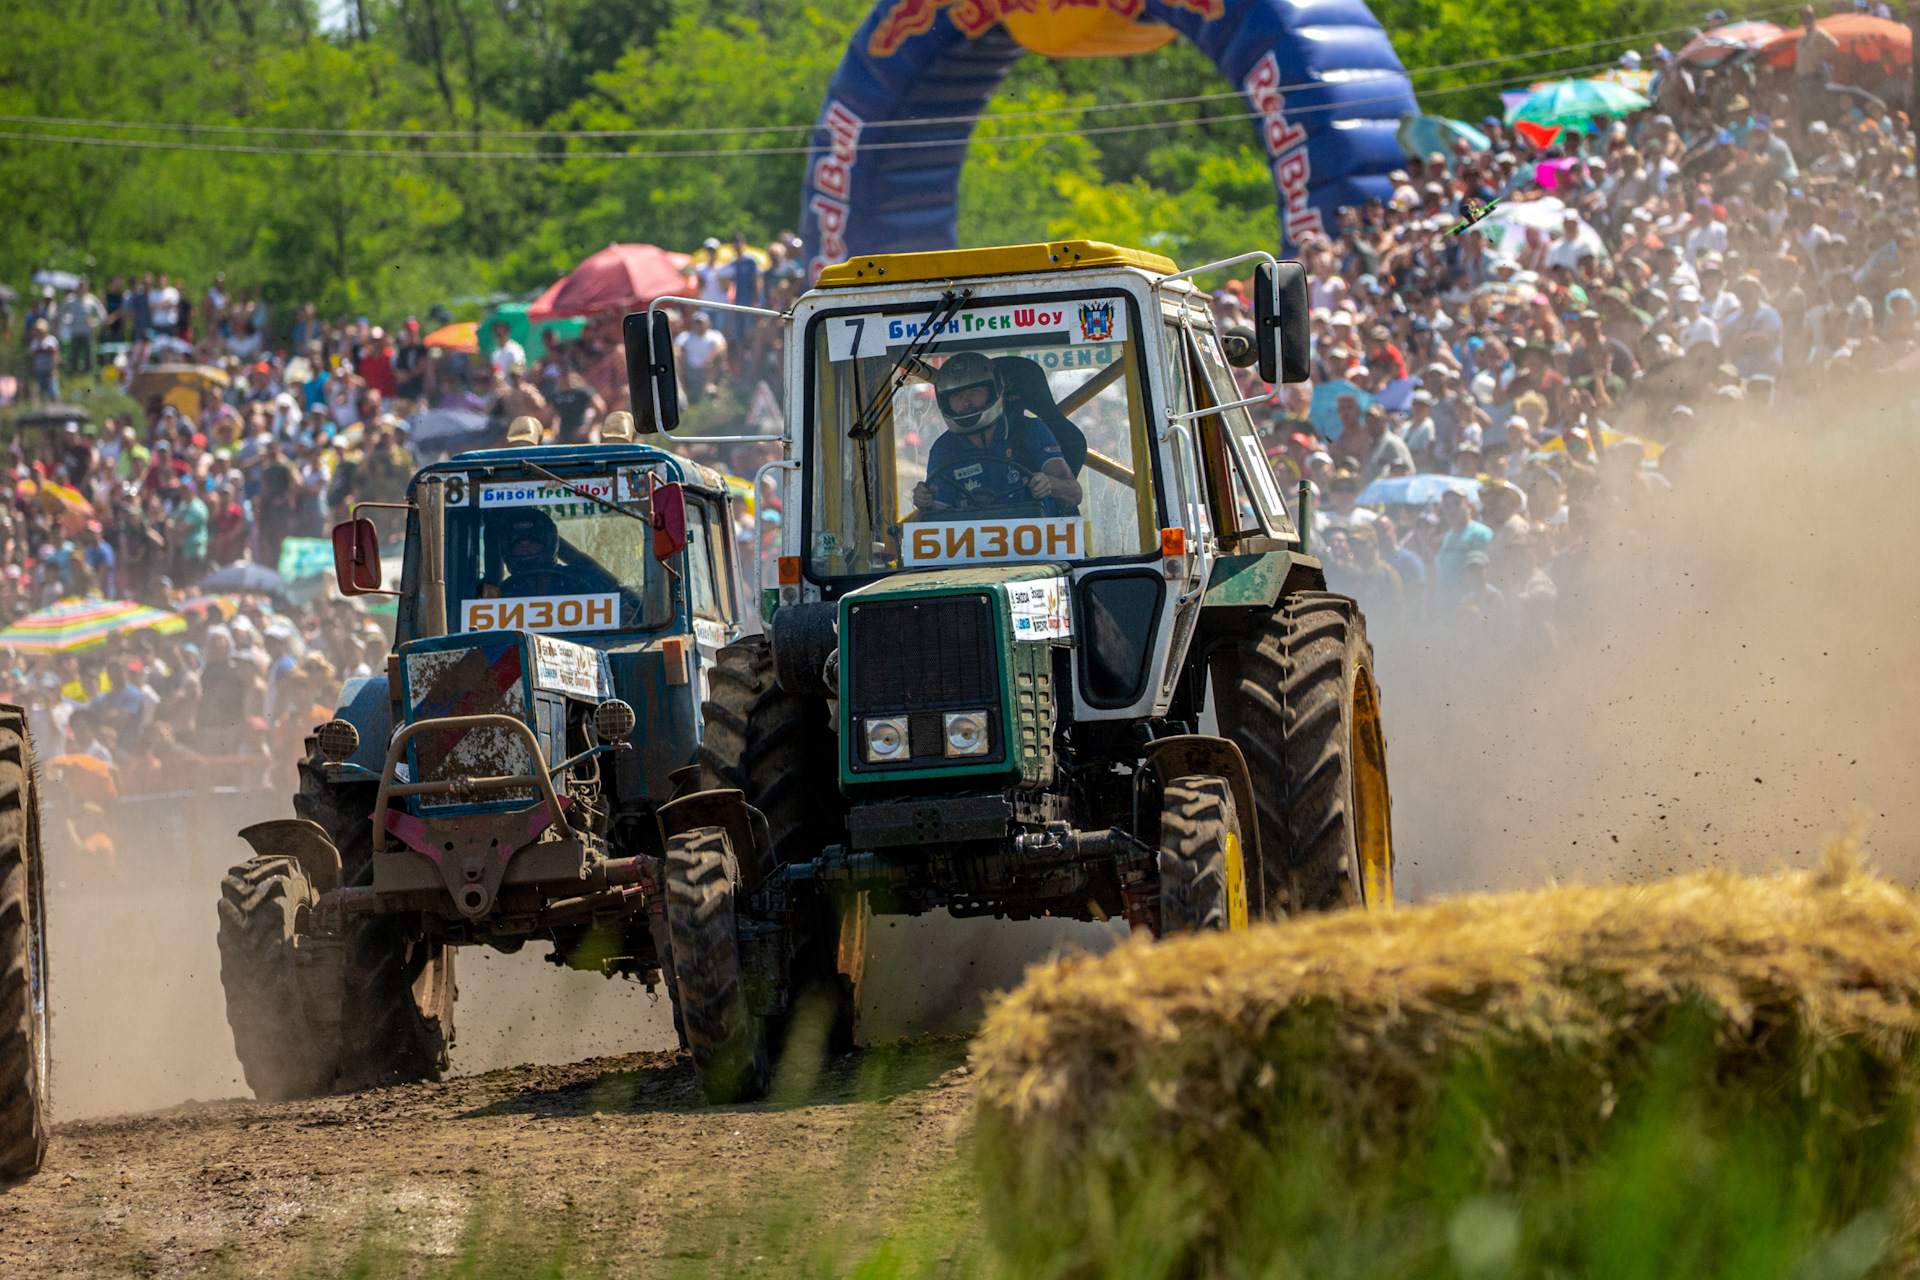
(980, 499)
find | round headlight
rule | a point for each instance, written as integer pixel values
(966, 733)
(337, 740)
(886, 740)
(613, 720)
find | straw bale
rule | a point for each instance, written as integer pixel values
(1157, 1057)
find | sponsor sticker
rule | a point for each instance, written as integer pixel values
(543, 613)
(571, 668)
(544, 493)
(1092, 320)
(1040, 609)
(994, 541)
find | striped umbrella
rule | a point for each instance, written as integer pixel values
(74, 626)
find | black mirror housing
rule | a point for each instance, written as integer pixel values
(651, 382)
(1282, 328)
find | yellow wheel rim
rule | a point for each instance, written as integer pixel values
(1372, 803)
(1236, 886)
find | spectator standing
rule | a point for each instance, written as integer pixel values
(80, 320)
(43, 358)
(744, 274)
(1462, 536)
(376, 364)
(703, 353)
(508, 355)
(163, 307)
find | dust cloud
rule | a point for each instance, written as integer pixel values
(1735, 681)
(139, 1018)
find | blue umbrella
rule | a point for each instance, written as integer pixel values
(447, 430)
(244, 577)
(1423, 135)
(1324, 413)
(1416, 491)
(1576, 103)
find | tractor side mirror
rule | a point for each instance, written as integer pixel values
(356, 556)
(1282, 331)
(669, 521)
(651, 382)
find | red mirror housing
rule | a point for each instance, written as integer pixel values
(669, 521)
(356, 556)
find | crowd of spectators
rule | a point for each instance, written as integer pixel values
(1490, 395)
(1746, 241)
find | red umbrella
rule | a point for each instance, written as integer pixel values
(621, 277)
(1862, 38)
(1718, 45)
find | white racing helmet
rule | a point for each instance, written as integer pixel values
(963, 371)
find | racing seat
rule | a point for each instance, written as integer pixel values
(1025, 384)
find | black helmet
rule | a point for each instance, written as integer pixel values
(521, 526)
(962, 371)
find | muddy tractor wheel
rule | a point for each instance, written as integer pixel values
(283, 990)
(729, 1043)
(1308, 722)
(397, 1016)
(1203, 880)
(779, 750)
(25, 1054)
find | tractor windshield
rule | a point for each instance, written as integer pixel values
(1016, 431)
(530, 555)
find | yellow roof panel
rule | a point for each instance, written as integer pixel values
(1007, 260)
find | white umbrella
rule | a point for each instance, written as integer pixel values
(1506, 227)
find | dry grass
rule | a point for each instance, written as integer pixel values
(1483, 1042)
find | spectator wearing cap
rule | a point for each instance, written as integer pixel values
(376, 364)
(1753, 336)
(1717, 302)
(710, 285)
(1695, 328)
(1708, 232)
(1385, 453)
(1461, 536)
(99, 559)
(1383, 355)
(703, 354)
(1772, 159)
(1422, 433)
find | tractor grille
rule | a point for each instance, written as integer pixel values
(920, 658)
(913, 655)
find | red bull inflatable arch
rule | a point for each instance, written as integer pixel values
(1320, 77)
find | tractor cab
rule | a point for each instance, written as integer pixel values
(1028, 533)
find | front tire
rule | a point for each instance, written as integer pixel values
(1308, 723)
(397, 1022)
(1203, 880)
(778, 749)
(25, 1041)
(283, 997)
(728, 1042)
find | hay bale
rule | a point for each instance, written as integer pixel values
(1409, 1061)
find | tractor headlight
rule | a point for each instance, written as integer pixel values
(886, 739)
(966, 733)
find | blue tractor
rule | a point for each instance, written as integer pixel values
(561, 612)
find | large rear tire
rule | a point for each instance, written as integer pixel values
(779, 750)
(397, 1023)
(1307, 719)
(728, 1042)
(283, 989)
(25, 1029)
(1203, 881)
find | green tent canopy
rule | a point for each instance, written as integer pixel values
(514, 315)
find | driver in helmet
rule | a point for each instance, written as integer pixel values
(971, 457)
(530, 550)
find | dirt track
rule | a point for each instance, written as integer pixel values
(610, 1166)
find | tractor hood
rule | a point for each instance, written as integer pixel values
(924, 656)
